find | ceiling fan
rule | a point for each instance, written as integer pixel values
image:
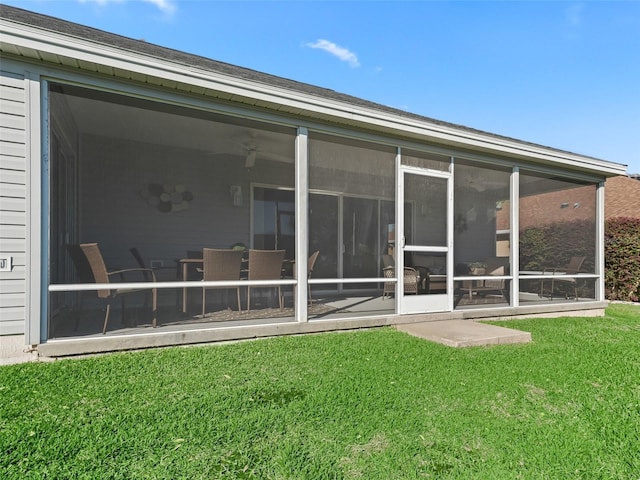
(250, 147)
(480, 183)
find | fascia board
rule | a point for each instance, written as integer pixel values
(72, 47)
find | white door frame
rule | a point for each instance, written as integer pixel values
(423, 303)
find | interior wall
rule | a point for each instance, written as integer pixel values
(115, 214)
(475, 228)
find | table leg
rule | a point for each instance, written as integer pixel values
(184, 289)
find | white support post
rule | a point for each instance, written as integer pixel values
(340, 242)
(600, 219)
(37, 137)
(514, 225)
(450, 235)
(398, 248)
(302, 224)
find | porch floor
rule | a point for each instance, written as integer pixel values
(331, 307)
(464, 333)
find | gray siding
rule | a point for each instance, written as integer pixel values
(13, 192)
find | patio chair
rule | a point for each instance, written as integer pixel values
(84, 275)
(147, 276)
(310, 264)
(101, 275)
(220, 265)
(410, 278)
(265, 265)
(142, 264)
(573, 267)
(194, 272)
(81, 264)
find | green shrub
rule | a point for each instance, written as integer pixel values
(553, 245)
(622, 259)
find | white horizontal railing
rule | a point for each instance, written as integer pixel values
(80, 287)
(324, 281)
(482, 277)
(543, 276)
(83, 287)
(551, 276)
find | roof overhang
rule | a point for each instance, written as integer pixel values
(34, 43)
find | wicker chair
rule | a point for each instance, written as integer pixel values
(410, 280)
(310, 264)
(84, 275)
(221, 265)
(101, 275)
(142, 264)
(83, 269)
(194, 272)
(265, 265)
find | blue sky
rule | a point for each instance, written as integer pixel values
(564, 74)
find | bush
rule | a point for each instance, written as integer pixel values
(622, 259)
(553, 245)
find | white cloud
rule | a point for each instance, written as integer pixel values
(165, 6)
(574, 14)
(342, 53)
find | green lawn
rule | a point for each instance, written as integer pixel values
(373, 404)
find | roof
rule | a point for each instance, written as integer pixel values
(163, 54)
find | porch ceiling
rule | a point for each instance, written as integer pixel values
(132, 123)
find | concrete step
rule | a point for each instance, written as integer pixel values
(464, 333)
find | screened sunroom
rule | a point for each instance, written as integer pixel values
(180, 201)
(152, 197)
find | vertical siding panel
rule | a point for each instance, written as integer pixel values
(13, 161)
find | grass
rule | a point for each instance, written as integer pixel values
(373, 404)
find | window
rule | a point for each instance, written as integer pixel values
(557, 238)
(351, 207)
(168, 181)
(481, 234)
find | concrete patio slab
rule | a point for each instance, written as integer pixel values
(464, 333)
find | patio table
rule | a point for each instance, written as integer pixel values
(184, 263)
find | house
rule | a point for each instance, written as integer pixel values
(622, 200)
(623, 197)
(122, 156)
